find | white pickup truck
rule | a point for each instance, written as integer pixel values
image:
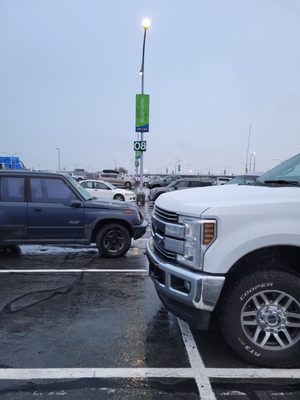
(234, 251)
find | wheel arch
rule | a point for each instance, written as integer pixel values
(270, 255)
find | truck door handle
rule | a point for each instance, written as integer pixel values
(37, 209)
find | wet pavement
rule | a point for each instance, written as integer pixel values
(77, 326)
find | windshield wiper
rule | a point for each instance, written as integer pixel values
(281, 182)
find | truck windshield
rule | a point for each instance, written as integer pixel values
(285, 174)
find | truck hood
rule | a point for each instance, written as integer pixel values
(194, 202)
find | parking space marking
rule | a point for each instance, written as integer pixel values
(197, 365)
(49, 271)
(202, 372)
(78, 373)
(252, 373)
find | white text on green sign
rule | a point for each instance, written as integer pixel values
(142, 113)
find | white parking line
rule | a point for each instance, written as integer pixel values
(197, 365)
(65, 271)
(202, 372)
(77, 373)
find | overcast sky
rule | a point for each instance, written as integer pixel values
(69, 75)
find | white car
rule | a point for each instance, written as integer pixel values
(106, 191)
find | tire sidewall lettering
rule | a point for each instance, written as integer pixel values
(248, 348)
(255, 288)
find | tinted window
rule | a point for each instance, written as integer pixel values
(12, 189)
(182, 184)
(45, 190)
(196, 184)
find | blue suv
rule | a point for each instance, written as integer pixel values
(51, 208)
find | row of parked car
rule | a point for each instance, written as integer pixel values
(188, 183)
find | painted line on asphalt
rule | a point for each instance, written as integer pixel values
(65, 271)
(78, 373)
(197, 365)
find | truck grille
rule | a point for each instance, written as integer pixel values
(163, 252)
(164, 215)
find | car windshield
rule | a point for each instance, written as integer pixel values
(84, 193)
(172, 184)
(286, 173)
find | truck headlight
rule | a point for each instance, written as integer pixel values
(199, 235)
(192, 250)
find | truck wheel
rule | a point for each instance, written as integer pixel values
(127, 185)
(113, 240)
(260, 317)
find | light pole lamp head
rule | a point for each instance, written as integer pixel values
(146, 23)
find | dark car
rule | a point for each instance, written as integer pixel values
(162, 182)
(184, 183)
(243, 180)
(50, 208)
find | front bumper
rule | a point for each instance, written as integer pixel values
(139, 230)
(194, 290)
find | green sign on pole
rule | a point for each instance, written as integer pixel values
(142, 113)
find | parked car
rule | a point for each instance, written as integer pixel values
(117, 179)
(243, 180)
(184, 183)
(107, 191)
(51, 208)
(221, 180)
(162, 181)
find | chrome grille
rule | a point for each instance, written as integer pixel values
(164, 252)
(164, 215)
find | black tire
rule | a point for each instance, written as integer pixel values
(128, 185)
(260, 317)
(113, 240)
(119, 197)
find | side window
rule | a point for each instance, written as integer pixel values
(182, 184)
(87, 185)
(49, 190)
(195, 184)
(100, 185)
(12, 189)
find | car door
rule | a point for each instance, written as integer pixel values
(50, 214)
(13, 208)
(102, 191)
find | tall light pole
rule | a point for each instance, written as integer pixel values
(58, 155)
(146, 23)
(247, 153)
(252, 155)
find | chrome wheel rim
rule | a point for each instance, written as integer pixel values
(271, 320)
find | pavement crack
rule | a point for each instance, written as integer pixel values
(34, 298)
